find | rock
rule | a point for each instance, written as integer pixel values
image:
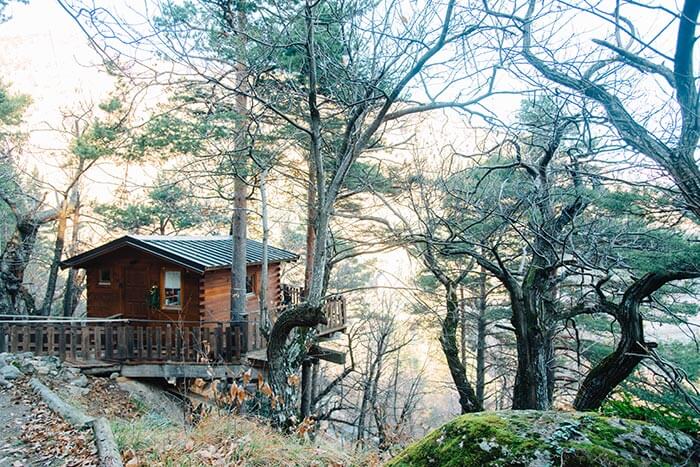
(3, 360)
(81, 381)
(76, 391)
(154, 399)
(114, 376)
(547, 438)
(10, 372)
(5, 383)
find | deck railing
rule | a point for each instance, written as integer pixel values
(143, 341)
(126, 340)
(334, 308)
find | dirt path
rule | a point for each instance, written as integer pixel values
(13, 417)
(32, 435)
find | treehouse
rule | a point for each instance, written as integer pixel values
(186, 279)
(156, 303)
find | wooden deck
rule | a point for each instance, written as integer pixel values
(141, 342)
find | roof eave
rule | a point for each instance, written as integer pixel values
(82, 258)
(252, 263)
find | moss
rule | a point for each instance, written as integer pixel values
(546, 438)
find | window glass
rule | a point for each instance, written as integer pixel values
(250, 283)
(172, 289)
(105, 277)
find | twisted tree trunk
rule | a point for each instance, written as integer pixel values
(632, 348)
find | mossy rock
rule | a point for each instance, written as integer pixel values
(535, 438)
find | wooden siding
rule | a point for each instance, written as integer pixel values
(133, 273)
(215, 290)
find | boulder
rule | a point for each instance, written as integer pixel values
(4, 383)
(76, 391)
(10, 372)
(81, 381)
(548, 438)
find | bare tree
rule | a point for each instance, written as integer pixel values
(604, 72)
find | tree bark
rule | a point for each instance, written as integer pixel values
(264, 268)
(239, 221)
(15, 258)
(481, 340)
(56, 259)
(238, 259)
(533, 387)
(448, 340)
(301, 315)
(631, 349)
(311, 209)
(71, 293)
(306, 388)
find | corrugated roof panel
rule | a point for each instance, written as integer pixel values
(212, 252)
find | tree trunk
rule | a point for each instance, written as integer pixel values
(71, 294)
(240, 188)
(306, 388)
(264, 280)
(310, 225)
(15, 258)
(532, 388)
(448, 339)
(304, 315)
(631, 349)
(238, 259)
(481, 340)
(56, 260)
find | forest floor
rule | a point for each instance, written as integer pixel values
(33, 435)
(150, 427)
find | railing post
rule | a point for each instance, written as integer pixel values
(159, 344)
(228, 344)
(149, 343)
(3, 338)
(39, 340)
(108, 341)
(129, 341)
(218, 338)
(61, 342)
(168, 341)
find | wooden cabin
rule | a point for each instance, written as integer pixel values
(160, 307)
(173, 278)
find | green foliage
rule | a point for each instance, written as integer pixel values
(12, 106)
(168, 207)
(672, 418)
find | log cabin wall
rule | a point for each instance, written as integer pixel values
(132, 274)
(215, 290)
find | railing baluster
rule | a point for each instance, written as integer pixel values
(149, 343)
(3, 338)
(159, 344)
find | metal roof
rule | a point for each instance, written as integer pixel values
(197, 253)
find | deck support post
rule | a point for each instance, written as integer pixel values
(314, 383)
(306, 388)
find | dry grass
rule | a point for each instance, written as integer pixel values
(225, 440)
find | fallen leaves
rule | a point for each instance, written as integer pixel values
(46, 438)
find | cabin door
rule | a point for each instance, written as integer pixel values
(136, 288)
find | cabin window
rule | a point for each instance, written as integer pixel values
(172, 289)
(105, 277)
(250, 284)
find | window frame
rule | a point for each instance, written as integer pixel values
(100, 281)
(163, 305)
(254, 279)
